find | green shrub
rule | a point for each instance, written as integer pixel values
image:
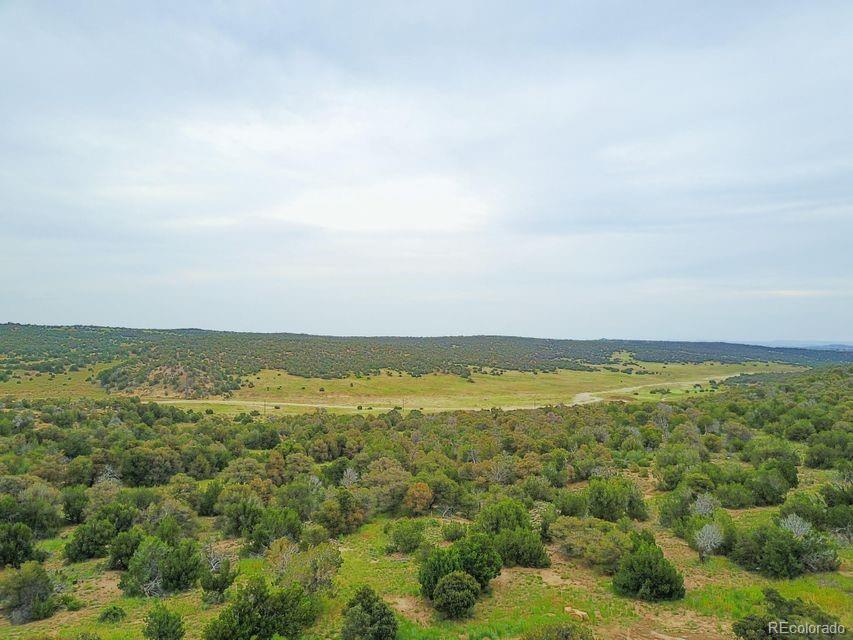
(780, 553)
(257, 612)
(734, 495)
(615, 498)
(28, 593)
(561, 631)
(453, 531)
(522, 548)
(644, 573)
(478, 557)
(313, 534)
(162, 624)
(437, 564)
(123, 546)
(571, 503)
(16, 545)
(215, 577)
(70, 602)
(455, 594)
(90, 540)
(810, 507)
(112, 613)
(74, 501)
(505, 514)
(675, 506)
(274, 523)
(367, 617)
(314, 569)
(794, 611)
(157, 568)
(599, 543)
(768, 486)
(182, 566)
(406, 535)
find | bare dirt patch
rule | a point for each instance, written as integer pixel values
(413, 608)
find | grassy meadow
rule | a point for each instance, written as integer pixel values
(510, 390)
(277, 392)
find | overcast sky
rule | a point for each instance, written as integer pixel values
(571, 169)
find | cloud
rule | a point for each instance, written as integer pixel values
(592, 170)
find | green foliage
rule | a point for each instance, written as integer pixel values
(194, 363)
(162, 624)
(314, 568)
(32, 502)
(241, 509)
(478, 557)
(215, 577)
(314, 534)
(522, 548)
(437, 564)
(90, 540)
(367, 617)
(70, 602)
(157, 568)
(337, 471)
(795, 613)
(571, 503)
(501, 515)
(644, 573)
(28, 593)
(615, 498)
(453, 531)
(599, 543)
(74, 501)
(16, 545)
(780, 553)
(181, 566)
(455, 594)
(274, 523)
(123, 546)
(406, 535)
(561, 631)
(340, 513)
(111, 614)
(257, 612)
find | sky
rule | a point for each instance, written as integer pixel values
(663, 170)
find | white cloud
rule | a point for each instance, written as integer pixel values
(415, 204)
(603, 170)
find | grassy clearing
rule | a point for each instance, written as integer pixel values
(513, 389)
(32, 384)
(275, 392)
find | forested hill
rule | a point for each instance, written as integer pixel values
(204, 362)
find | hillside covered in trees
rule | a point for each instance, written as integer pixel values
(198, 363)
(735, 509)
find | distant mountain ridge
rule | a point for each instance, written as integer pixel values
(806, 344)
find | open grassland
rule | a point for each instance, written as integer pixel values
(511, 390)
(276, 392)
(73, 384)
(718, 592)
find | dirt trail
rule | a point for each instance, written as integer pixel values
(587, 397)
